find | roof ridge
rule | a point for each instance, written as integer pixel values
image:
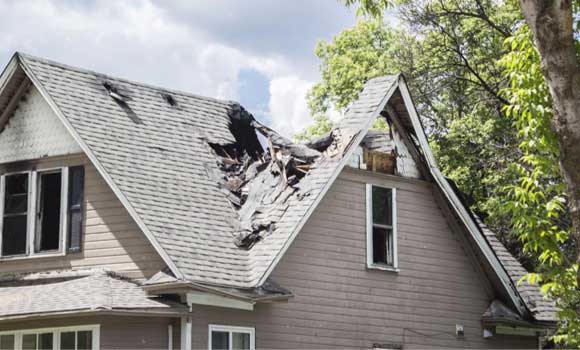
(28, 57)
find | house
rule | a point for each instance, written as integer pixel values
(138, 217)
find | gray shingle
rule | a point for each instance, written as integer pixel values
(79, 291)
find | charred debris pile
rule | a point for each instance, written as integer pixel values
(259, 178)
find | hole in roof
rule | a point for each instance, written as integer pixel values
(169, 99)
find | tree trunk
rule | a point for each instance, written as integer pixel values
(551, 24)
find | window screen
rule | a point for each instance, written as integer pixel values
(15, 217)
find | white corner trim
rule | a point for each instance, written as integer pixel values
(456, 204)
(344, 160)
(120, 195)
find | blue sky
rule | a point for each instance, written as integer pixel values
(258, 52)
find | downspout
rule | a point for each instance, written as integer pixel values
(169, 337)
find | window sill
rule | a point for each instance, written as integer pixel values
(383, 268)
(34, 256)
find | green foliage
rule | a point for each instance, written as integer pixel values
(447, 53)
(537, 202)
(322, 124)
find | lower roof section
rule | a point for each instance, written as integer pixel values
(77, 292)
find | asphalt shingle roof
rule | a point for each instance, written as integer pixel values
(80, 291)
(159, 157)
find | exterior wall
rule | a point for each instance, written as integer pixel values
(116, 332)
(34, 131)
(339, 303)
(111, 237)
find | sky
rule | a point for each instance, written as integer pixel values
(257, 52)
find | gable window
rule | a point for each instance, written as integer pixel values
(68, 338)
(231, 338)
(381, 228)
(40, 212)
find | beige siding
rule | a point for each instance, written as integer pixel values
(339, 303)
(112, 238)
(116, 332)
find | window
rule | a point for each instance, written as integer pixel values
(41, 212)
(381, 228)
(231, 338)
(69, 338)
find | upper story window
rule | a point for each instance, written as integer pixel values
(231, 338)
(40, 212)
(381, 228)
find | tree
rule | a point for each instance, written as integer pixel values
(552, 27)
(449, 59)
(543, 101)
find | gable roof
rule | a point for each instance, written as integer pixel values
(152, 146)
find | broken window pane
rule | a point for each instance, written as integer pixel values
(382, 206)
(15, 214)
(49, 211)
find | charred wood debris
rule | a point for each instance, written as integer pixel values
(259, 180)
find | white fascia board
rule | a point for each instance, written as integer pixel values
(344, 160)
(120, 195)
(201, 298)
(457, 205)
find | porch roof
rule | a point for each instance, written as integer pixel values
(74, 292)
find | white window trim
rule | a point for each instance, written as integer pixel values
(95, 328)
(31, 227)
(232, 329)
(369, 203)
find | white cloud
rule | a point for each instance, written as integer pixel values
(158, 43)
(288, 107)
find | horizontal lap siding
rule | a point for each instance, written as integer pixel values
(112, 238)
(339, 303)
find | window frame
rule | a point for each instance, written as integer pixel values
(369, 229)
(32, 226)
(18, 334)
(230, 330)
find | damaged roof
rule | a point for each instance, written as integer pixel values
(158, 159)
(220, 207)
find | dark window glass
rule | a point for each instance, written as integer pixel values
(7, 342)
(15, 214)
(84, 340)
(29, 342)
(382, 246)
(382, 206)
(45, 341)
(49, 211)
(220, 340)
(75, 209)
(67, 341)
